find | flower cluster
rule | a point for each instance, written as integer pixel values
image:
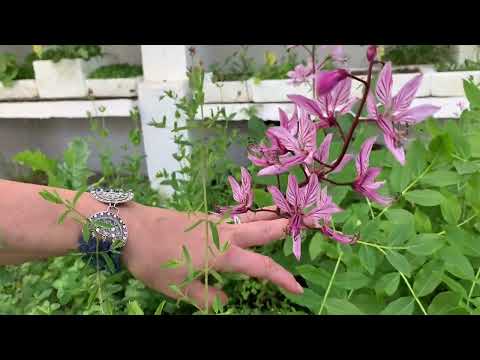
(293, 144)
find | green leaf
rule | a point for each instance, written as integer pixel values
(400, 177)
(86, 232)
(256, 128)
(316, 246)
(467, 243)
(368, 258)
(171, 264)
(108, 262)
(472, 92)
(288, 246)
(466, 167)
(308, 299)
(262, 198)
(217, 305)
(422, 222)
(399, 262)
(160, 308)
(456, 263)
(428, 278)
(351, 280)
(443, 303)
(440, 178)
(51, 197)
(341, 307)
(134, 309)
(455, 286)
(62, 217)
(315, 275)
(424, 197)
(194, 225)
(79, 193)
(416, 157)
(188, 260)
(215, 238)
(399, 216)
(460, 141)
(451, 208)
(426, 244)
(388, 283)
(401, 306)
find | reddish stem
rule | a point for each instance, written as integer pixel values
(337, 183)
(356, 121)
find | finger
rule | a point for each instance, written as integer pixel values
(259, 266)
(196, 292)
(259, 215)
(259, 232)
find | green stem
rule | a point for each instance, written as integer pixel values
(413, 293)
(381, 247)
(330, 283)
(460, 225)
(413, 183)
(473, 286)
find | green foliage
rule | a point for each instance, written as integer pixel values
(10, 70)
(59, 52)
(468, 65)
(418, 54)
(117, 71)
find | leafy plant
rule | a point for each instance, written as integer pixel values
(117, 71)
(418, 54)
(468, 65)
(59, 52)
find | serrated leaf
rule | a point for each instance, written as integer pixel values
(424, 197)
(388, 283)
(401, 306)
(399, 262)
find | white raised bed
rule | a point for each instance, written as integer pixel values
(111, 88)
(275, 90)
(450, 84)
(225, 91)
(64, 79)
(20, 89)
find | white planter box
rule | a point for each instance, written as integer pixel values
(107, 88)
(450, 84)
(21, 89)
(64, 79)
(399, 80)
(268, 91)
(225, 91)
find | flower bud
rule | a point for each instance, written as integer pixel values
(327, 80)
(371, 52)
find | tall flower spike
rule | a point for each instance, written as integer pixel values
(365, 183)
(396, 111)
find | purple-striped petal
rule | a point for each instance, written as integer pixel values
(293, 192)
(323, 151)
(346, 159)
(362, 160)
(417, 114)
(279, 199)
(236, 189)
(371, 106)
(384, 85)
(284, 138)
(337, 236)
(309, 105)
(405, 96)
(309, 192)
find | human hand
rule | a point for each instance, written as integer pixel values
(157, 236)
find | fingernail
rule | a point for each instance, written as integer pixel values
(299, 288)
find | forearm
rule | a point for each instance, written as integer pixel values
(29, 224)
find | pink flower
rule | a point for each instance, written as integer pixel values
(396, 110)
(338, 55)
(371, 52)
(300, 74)
(243, 194)
(305, 206)
(365, 181)
(327, 80)
(323, 152)
(337, 236)
(302, 146)
(329, 106)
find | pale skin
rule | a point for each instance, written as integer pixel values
(29, 232)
